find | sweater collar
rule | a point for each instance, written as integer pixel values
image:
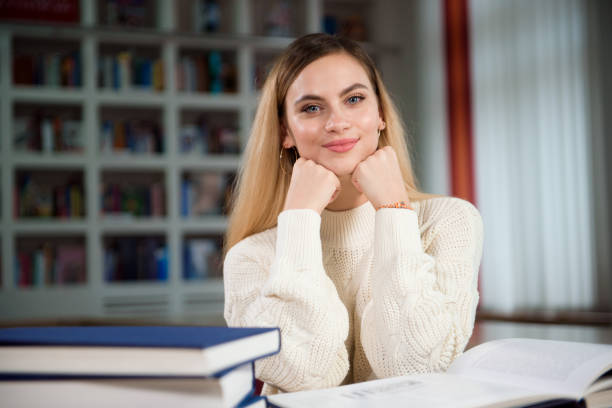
(348, 228)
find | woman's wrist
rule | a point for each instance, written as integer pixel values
(396, 204)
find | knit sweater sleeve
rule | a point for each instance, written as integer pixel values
(294, 293)
(423, 294)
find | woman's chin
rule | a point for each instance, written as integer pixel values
(342, 169)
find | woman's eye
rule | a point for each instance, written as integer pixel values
(311, 108)
(354, 99)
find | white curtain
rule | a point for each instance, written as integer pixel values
(532, 153)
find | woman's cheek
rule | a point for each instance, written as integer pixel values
(306, 134)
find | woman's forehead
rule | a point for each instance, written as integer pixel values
(329, 75)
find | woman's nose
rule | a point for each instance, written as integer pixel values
(336, 122)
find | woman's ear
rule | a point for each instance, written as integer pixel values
(381, 123)
(287, 138)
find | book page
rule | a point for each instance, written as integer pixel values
(559, 366)
(421, 390)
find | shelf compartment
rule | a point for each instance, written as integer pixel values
(129, 67)
(44, 62)
(264, 61)
(136, 258)
(209, 133)
(49, 194)
(279, 18)
(133, 131)
(50, 261)
(210, 71)
(135, 194)
(202, 257)
(127, 14)
(205, 193)
(351, 22)
(205, 16)
(48, 129)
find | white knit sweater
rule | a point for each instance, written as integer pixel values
(359, 294)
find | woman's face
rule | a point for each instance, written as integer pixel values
(332, 114)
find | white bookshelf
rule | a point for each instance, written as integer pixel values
(176, 298)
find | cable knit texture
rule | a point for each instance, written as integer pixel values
(359, 294)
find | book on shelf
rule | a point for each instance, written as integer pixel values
(50, 264)
(136, 259)
(205, 193)
(131, 136)
(47, 133)
(42, 200)
(203, 138)
(58, 11)
(135, 200)
(129, 13)
(48, 69)
(202, 258)
(126, 71)
(209, 71)
(207, 16)
(278, 19)
(150, 366)
(497, 374)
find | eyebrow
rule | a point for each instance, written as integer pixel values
(343, 92)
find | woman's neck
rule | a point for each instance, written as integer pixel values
(348, 198)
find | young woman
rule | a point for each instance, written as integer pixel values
(330, 239)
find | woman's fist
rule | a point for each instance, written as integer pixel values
(379, 177)
(312, 186)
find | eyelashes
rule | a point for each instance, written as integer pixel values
(351, 100)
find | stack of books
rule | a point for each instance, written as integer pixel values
(131, 366)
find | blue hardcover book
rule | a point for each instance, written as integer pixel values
(124, 351)
(231, 388)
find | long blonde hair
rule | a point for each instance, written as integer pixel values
(262, 181)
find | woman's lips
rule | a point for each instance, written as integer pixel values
(342, 145)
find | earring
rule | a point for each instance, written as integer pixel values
(384, 125)
(280, 158)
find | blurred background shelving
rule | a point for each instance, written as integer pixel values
(122, 125)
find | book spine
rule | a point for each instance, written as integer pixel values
(161, 261)
(158, 75)
(38, 278)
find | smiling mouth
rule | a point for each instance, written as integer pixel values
(341, 146)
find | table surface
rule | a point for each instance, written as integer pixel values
(486, 330)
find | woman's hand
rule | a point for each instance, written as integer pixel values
(379, 177)
(312, 186)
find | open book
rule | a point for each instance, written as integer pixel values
(496, 374)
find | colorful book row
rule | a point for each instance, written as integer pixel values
(201, 138)
(42, 200)
(126, 71)
(132, 199)
(206, 72)
(50, 265)
(205, 193)
(202, 258)
(135, 259)
(39, 133)
(131, 136)
(51, 69)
